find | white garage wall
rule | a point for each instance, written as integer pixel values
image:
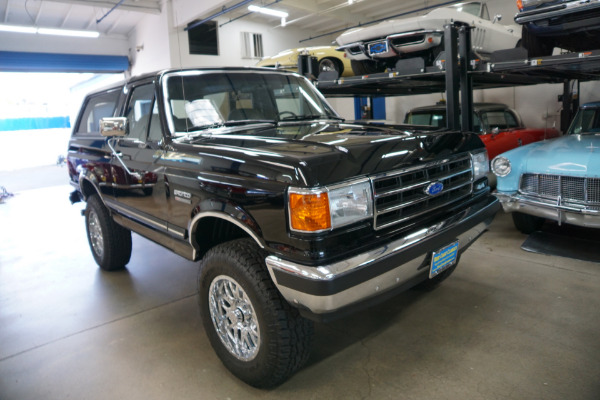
(149, 44)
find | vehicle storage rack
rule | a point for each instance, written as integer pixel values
(582, 66)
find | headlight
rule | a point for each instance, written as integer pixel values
(317, 210)
(501, 166)
(481, 165)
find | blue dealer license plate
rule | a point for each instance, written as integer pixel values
(443, 258)
(378, 48)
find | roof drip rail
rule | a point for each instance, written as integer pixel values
(223, 11)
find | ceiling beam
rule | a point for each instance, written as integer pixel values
(144, 6)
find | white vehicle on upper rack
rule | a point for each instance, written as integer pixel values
(376, 48)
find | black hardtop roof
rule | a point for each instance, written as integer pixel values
(160, 73)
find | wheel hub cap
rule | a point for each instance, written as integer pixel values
(95, 232)
(234, 318)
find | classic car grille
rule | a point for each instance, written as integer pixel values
(584, 191)
(401, 196)
(402, 41)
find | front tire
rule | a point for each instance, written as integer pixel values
(536, 46)
(527, 223)
(110, 242)
(365, 67)
(257, 335)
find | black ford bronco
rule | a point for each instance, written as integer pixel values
(295, 215)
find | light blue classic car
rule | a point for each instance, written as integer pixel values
(557, 179)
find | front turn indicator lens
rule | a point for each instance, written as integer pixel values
(309, 212)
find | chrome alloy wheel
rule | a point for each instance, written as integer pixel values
(234, 318)
(327, 65)
(95, 232)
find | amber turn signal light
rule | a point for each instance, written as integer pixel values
(309, 212)
(520, 4)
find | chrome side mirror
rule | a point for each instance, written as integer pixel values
(116, 126)
(497, 17)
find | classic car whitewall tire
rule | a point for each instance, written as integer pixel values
(253, 330)
(110, 243)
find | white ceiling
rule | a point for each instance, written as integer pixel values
(317, 16)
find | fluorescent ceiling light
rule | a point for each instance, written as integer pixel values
(66, 32)
(18, 29)
(48, 31)
(268, 11)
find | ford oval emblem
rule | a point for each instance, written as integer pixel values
(434, 188)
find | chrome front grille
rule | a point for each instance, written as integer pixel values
(401, 195)
(571, 189)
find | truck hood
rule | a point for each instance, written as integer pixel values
(573, 155)
(321, 153)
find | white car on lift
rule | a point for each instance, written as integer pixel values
(375, 48)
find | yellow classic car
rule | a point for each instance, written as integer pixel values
(328, 57)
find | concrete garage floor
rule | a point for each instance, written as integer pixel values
(507, 325)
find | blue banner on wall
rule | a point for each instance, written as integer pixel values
(23, 124)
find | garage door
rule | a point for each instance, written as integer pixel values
(48, 62)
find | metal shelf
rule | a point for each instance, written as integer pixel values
(506, 68)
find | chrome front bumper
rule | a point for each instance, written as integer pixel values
(329, 288)
(431, 38)
(562, 213)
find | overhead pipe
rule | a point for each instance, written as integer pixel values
(109, 11)
(381, 20)
(223, 11)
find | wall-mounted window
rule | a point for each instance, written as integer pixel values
(252, 46)
(204, 39)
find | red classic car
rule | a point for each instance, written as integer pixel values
(499, 127)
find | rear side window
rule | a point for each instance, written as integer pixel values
(97, 107)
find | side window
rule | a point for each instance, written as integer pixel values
(511, 120)
(476, 124)
(139, 111)
(155, 132)
(97, 107)
(494, 119)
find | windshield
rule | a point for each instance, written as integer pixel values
(197, 100)
(586, 120)
(436, 118)
(469, 8)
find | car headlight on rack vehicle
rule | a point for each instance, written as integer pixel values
(481, 164)
(330, 207)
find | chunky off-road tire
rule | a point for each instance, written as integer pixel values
(536, 46)
(110, 242)
(365, 67)
(253, 330)
(527, 223)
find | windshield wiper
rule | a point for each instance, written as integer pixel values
(249, 121)
(309, 117)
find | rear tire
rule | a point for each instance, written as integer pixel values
(527, 223)
(257, 335)
(110, 242)
(330, 64)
